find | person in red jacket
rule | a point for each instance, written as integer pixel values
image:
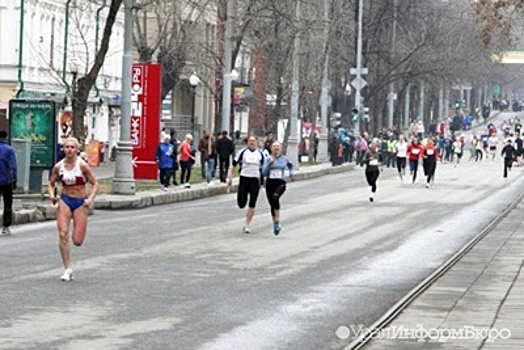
(187, 159)
(415, 150)
(430, 157)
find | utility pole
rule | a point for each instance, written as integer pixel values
(359, 83)
(421, 102)
(407, 107)
(292, 143)
(226, 72)
(324, 98)
(124, 181)
(391, 95)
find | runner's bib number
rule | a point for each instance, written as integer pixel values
(430, 152)
(415, 151)
(275, 174)
(373, 162)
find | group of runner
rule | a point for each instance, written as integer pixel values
(432, 150)
(256, 168)
(406, 153)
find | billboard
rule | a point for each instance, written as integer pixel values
(146, 84)
(35, 121)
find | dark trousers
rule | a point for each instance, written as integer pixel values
(165, 176)
(275, 188)
(413, 168)
(478, 155)
(372, 177)
(185, 174)
(223, 163)
(508, 162)
(7, 197)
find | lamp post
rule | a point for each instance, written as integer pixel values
(194, 80)
(234, 78)
(124, 181)
(73, 68)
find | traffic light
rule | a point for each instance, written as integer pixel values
(354, 115)
(336, 120)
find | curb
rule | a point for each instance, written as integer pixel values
(151, 198)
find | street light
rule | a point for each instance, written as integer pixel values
(73, 68)
(234, 75)
(232, 115)
(194, 80)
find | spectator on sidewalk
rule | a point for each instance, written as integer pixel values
(203, 149)
(225, 147)
(211, 159)
(187, 159)
(175, 142)
(164, 158)
(8, 179)
(269, 141)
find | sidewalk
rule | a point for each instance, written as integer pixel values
(477, 304)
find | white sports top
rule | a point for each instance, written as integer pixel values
(402, 149)
(250, 162)
(71, 177)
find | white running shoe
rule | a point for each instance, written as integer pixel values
(5, 231)
(187, 185)
(67, 276)
(246, 229)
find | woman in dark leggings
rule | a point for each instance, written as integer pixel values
(250, 159)
(372, 161)
(187, 158)
(274, 170)
(430, 159)
(415, 150)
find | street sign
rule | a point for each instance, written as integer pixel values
(145, 118)
(358, 83)
(353, 71)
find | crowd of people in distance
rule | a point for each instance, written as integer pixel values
(449, 141)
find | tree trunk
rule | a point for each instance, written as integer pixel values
(85, 83)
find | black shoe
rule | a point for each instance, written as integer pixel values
(175, 183)
(371, 199)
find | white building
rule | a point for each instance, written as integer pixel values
(39, 52)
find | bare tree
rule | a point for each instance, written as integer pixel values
(85, 83)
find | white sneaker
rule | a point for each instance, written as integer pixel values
(246, 229)
(67, 276)
(164, 189)
(210, 184)
(5, 231)
(187, 185)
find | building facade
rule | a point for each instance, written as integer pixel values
(46, 44)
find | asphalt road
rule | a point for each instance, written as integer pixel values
(183, 276)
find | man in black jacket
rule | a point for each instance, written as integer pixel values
(510, 154)
(225, 147)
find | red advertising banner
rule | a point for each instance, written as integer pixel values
(146, 83)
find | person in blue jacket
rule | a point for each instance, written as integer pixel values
(274, 170)
(165, 154)
(7, 180)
